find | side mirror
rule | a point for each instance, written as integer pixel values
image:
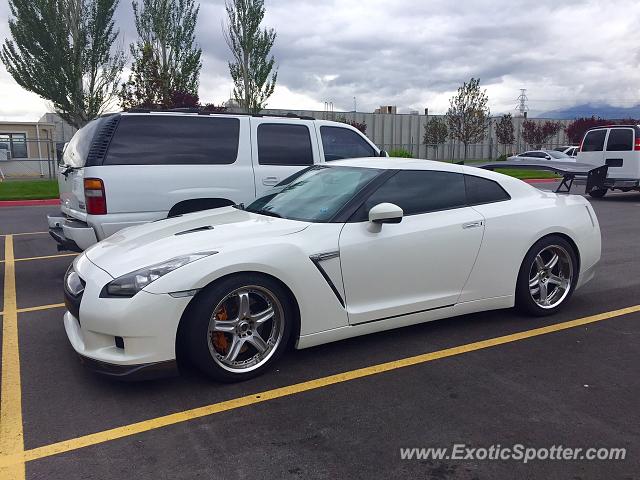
(383, 153)
(548, 157)
(385, 213)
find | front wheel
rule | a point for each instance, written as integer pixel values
(547, 277)
(239, 327)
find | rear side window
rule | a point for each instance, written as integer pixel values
(620, 140)
(340, 143)
(75, 155)
(174, 140)
(418, 191)
(594, 141)
(284, 144)
(482, 190)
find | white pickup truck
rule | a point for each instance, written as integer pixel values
(129, 168)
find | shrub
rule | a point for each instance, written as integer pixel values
(502, 158)
(400, 152)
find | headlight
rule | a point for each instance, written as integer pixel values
(72, 282)
(131, 283)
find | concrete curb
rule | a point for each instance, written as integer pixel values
(29, 203)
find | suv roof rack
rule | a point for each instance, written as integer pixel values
(203, 112)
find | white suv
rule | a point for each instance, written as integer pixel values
(618, 147)
(129, 168)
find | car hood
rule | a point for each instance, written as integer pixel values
(209, 230)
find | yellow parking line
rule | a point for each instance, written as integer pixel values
(38, 308)
(22, 233)
(11, 434)
(44, 257)
(179, 417)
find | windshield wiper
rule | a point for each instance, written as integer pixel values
(269, 213)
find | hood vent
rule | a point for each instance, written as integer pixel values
(194, 230)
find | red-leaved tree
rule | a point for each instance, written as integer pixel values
(537, 134)
(576, 129)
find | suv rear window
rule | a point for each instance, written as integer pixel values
(620, 140)
(75, 155)
(174, 140)
(594, 141)
(284, 144)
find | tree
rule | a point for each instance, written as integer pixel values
(166, 60)
(468, 114)
(64, 52)
(504, 130)
(576, 129)
(252, 69)
(537, 134)
(435, 133)
(362, 126)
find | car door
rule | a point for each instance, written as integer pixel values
(420, 264)
(281, 148)
(619, 154)
(592, 149)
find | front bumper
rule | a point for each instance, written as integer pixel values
(122, 337)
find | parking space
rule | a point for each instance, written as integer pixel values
(319, 414)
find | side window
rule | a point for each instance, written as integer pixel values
(594, 141)
(284, 144)
(174, 140)
(340, 143)
(482, 190)
(620, 140)
(526, 154)
(418, 191)
(538, 154)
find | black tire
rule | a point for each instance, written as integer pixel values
(598, 192)
(525, 301)
(198, 339)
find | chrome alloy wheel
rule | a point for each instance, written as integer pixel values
(550, 277)
(245, 329)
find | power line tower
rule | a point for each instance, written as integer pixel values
(522, 106)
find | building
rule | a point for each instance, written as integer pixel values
(386, 109)
(27, 149)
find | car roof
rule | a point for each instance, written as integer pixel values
(513, 185)
(397, 163)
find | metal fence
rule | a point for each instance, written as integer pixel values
(29, 159)
(392, 131)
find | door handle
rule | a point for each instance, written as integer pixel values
(472, 224)
(270, 181)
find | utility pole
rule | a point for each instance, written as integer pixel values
(522, 106)
(355, 109)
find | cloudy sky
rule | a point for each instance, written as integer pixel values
(414, 54)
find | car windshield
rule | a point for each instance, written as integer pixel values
(316, 195)
(558, 155)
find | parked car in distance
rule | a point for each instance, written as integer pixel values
(543, 155)
(347, 248)
(618, 147)
(125, 169)
(571, 150)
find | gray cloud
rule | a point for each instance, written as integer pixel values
(415, 54)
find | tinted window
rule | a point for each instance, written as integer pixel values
(76, 152)
(620, 140)
(344, 143)
(418, 191)
(482, 190)
(174, 140)
(284, 144)
(538, 155)
(594, 141)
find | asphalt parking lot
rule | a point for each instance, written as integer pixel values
(342, 410)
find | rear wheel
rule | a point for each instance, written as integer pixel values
(547, 277)
(598, 192)
(239, 327)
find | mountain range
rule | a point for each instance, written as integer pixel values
(587, 110)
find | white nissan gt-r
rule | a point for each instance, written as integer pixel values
(343, 249)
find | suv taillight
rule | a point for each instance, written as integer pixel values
(637, 145)
(94, 196)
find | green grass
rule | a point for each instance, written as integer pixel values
(28, 189)
(526, 174)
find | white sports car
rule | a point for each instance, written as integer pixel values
(344, 249)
